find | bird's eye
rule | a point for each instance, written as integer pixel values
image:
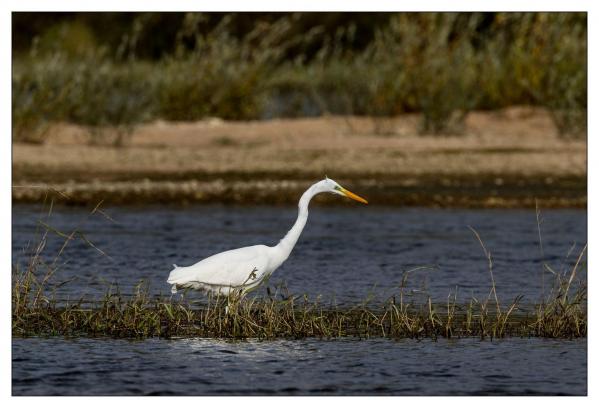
(337, 188)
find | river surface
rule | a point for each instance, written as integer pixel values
(345, 255)
(312, 367)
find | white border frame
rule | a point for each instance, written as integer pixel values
(303, 5)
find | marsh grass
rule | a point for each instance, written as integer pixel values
(442, 65)
(141, 315)
(37, 311)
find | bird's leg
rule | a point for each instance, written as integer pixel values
(183, 293)
(230, 300)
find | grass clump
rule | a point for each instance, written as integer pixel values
(142, 315)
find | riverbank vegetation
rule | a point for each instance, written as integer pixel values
(440, 65)
(142, 315)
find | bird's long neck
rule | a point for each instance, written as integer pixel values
(288, 242)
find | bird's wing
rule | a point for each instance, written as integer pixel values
(230, 268)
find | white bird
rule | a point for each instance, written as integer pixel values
(240, 270)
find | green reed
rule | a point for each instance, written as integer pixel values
(438, 64)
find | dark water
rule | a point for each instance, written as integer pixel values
(211, 367)
(344, 254)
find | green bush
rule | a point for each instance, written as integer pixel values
(92, 91)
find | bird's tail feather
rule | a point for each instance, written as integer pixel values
(175, 274)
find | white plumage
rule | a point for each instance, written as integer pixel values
(245, 268)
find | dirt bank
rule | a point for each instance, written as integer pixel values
(506, 158)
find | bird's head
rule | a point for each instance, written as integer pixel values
(331, 186)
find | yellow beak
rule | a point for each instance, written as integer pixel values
(353, 196)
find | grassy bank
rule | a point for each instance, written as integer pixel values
(441, 65)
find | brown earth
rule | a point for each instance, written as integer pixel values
(507, 158)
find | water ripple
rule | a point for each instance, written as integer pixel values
(350, 367)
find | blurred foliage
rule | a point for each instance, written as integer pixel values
(222, 76)
(241, 66)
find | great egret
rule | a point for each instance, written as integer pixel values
(245, 268)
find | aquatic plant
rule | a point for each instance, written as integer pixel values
(142, 315)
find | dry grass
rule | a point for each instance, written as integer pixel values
(141, 316)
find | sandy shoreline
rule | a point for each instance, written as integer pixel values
(505, 158)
